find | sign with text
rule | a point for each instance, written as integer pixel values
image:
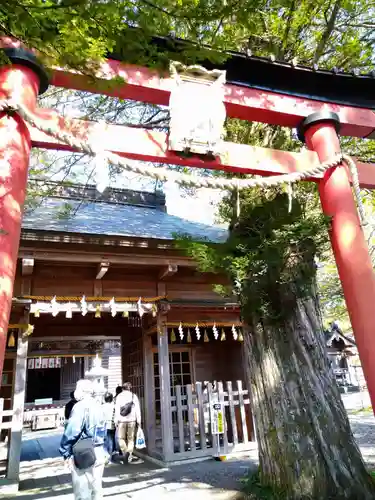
(217, 418)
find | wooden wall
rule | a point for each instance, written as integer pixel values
(221, 361)
(71, 279)
(111, 360)
(82, 326)
(70, 374)
(192, 315)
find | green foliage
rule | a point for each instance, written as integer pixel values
(269, 254)
(331, 294)
(79, 33)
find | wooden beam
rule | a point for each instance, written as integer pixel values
(246, 103)
(167, 271)
(26, 285)
(112, 242)
(27, 266)
(143, 84)
(84, 257)
(102, 270)
(152, 146)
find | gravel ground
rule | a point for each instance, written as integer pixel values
(43, 476)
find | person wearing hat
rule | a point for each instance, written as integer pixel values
(82, 444)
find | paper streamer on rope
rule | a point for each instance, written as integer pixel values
(113, 307)
(234, 332)
(84, 307)
(197, 331)
(215, 332)
(181, 331)
(54, 307)
(69, 313)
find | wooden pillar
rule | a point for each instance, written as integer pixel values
(149, 391)
(21, 81)
(165, 390)
(348, 240)
(19, 394)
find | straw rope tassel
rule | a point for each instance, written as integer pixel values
(223, 336)
(173, 336)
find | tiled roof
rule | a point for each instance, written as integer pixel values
(116, 220)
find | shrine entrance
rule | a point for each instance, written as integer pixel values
(61, 350)
(43, 383)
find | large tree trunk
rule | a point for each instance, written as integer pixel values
(306, 446)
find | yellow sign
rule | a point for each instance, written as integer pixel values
(217, 418)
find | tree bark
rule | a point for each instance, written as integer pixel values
(306, 447)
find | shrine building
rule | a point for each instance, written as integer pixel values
(93, 284)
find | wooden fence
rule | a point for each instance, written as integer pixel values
(192, 419)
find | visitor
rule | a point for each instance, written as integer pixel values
(82, 444)
(109, 415)
(69, 406)
(127, 417)
(117, 446)
(118, 391)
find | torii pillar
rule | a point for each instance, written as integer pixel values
(320, 130)
(20, 81)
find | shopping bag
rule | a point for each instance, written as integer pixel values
(140, 441)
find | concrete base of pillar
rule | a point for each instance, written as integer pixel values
(8, 488)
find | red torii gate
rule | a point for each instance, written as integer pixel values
(317, 122)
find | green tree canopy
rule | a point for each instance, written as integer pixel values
(75, 32)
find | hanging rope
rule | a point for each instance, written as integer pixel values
(163, 174)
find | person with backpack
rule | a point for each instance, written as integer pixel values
(82, 444)
(127, 418)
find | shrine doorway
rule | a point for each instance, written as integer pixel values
(43, 383)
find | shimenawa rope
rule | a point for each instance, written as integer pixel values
(164, 174)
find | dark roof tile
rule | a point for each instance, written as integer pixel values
(117, 220)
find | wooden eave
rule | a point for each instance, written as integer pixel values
(86, 248)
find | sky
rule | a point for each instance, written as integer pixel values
(200, 206)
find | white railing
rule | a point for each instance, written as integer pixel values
(193, 415)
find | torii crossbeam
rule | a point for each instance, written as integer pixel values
(318, 123)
